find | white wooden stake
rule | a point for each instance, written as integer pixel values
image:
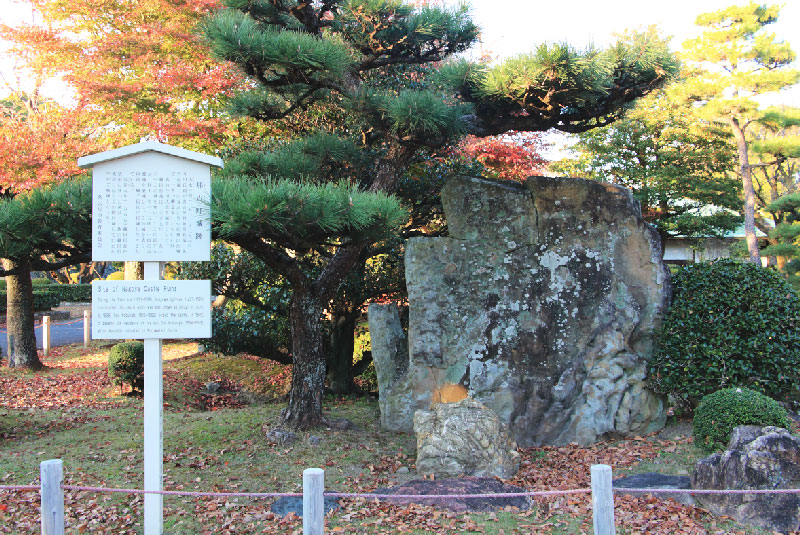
(87, 328)
(602, 500)
(52, 474)
(153, 424)
(313, 501)
(46, 334)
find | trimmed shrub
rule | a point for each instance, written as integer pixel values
(730, 323)
(116, 276)
(719, 413)
(126, 365)
(42, 300)
(70, 292)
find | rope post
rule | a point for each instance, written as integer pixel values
(313, 501)
(602, 500)
(87, 328)
(46, 335)
(52, 475)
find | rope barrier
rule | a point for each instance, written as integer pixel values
(186, 493)
(710, 491)
(452, 496)
(27, 488)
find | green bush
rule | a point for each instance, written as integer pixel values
(41, 281)
(730, 323)
(719, 413)
(126, 364)
(71, 292)
(42, 300)
(116, 276)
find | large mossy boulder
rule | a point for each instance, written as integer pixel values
(542, 305)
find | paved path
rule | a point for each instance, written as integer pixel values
(61, 333)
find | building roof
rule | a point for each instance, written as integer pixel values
(148, 146)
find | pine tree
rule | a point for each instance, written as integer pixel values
(355, 56)
(674, 163)
(40, 230)
(740, 59)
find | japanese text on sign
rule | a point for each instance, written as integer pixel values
(151, 207)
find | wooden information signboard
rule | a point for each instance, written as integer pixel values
(150, 203)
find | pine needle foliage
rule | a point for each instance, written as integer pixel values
(300, 215)
(318, 157)
(48, 226)
(558, 86)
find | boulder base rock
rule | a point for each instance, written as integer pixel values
(757, 458)
(542, 304)
(464, 439)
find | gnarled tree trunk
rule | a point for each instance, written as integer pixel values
(308, 369)
(19, 317)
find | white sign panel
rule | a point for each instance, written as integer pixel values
(151, 207)
(151, 309)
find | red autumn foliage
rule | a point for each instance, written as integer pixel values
(512, 156)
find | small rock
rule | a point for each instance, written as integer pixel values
(447, 436)
(402, 470)
(281, 437)
(653, 480)
(314, 440)
(212, 387)
(289, 504)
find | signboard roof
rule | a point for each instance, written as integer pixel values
(147, 146)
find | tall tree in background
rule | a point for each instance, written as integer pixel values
(739, 59)
(343, 53)
(131, 70)
(776, 173)
(139, 66)
(40, 141)
(674, 163)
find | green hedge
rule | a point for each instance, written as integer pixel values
(730, 323)
(46, 296)
(71, 292)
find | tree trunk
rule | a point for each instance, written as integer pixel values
(340, 356)
(749, 191)
(19, 318)
(308, 369)
(134, 271)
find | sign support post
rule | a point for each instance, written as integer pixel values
(153, 423)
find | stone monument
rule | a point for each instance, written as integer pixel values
(541, 304)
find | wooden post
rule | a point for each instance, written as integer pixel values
(87, 328)
(153, 424)
(45, 335)
(52, 474)
(602, 500)
(313, 501)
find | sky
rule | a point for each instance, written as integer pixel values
(510, 27)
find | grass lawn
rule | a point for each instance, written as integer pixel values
(217, 443)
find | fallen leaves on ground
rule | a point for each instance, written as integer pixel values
(81, 381)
